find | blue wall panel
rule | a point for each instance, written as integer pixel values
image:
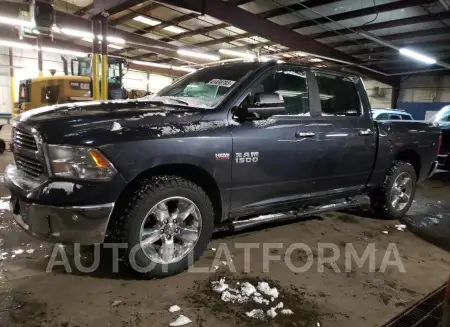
(418, 109)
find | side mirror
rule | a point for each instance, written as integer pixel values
(266, 105)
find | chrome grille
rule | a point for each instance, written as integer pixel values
(24, 139)
(26, 153)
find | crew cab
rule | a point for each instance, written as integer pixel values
(233, 145)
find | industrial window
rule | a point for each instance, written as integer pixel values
(338, 95)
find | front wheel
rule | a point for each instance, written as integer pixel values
(168, 226)
(394, 198)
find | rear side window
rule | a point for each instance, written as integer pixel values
(382, 116)
(406, 117)
(338, 95)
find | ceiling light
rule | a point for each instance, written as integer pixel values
(417, 56)
(73, 32)
(184, 69)
(151, 64)
(315, 60)
(64, 51)
(17, 22)
(87, 39)
(196, 54)
(239, 54)
(174, 29)
(146, 20)
(280, 62)
(18, 45)
(115, 39)
(264, 59)
(115, 46)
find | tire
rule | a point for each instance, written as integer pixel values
(382, 199)
(151, 193)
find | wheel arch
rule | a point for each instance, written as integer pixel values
(411, 157)
(190, 172)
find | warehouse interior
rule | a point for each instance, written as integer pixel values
(400, 49)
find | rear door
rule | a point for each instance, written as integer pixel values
(274, 158)
(347, 137)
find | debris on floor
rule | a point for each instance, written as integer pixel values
(255, 313)
(180, 321)
(174, 308)
(117, 303)
(400, 227)
(264, 288)
(18, 251)
(385, 232)
(287, 312)
(4, 204)
(30, 251)
(246, 292)
(116, 127)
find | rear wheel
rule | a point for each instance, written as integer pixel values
(168, 226)
(394, 198)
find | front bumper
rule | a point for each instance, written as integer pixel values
(84, 224)
(67, 213)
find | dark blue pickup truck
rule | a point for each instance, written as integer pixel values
(234, 145)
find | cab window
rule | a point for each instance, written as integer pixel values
(282, 92)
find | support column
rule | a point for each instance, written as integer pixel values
(11, 77)
(95, 57)
(104, 25)
(395, 95)
(40, 63)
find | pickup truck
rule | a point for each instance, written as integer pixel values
(234, 145)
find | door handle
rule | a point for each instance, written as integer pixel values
(304, 134)
(365, 132)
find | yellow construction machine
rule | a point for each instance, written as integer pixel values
(43, 91)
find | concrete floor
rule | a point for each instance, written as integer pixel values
(31, 297)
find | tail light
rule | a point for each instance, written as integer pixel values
(439, 144)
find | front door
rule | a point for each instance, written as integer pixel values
(274, 156)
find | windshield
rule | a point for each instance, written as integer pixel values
(442, 116)
(114, 75)
(205, 88)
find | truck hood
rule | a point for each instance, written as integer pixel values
(102, 122)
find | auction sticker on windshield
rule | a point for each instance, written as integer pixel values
(221, 82)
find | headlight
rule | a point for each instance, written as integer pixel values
(80, 163)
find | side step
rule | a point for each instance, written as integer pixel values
(239, 225)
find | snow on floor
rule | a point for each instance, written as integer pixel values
(4, 204)
(263, 294)
(180, 321)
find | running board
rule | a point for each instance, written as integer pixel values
(239, 225)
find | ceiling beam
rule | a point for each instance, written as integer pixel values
(295, 7)
(392, 37)
(133, 13)
(388, 24)
(358, 13)
(111, 6)
(267, 14)
(264, 28)
(203, 30)
(174, 21)
(424, 47)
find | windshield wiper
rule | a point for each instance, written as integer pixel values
(180, 101)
